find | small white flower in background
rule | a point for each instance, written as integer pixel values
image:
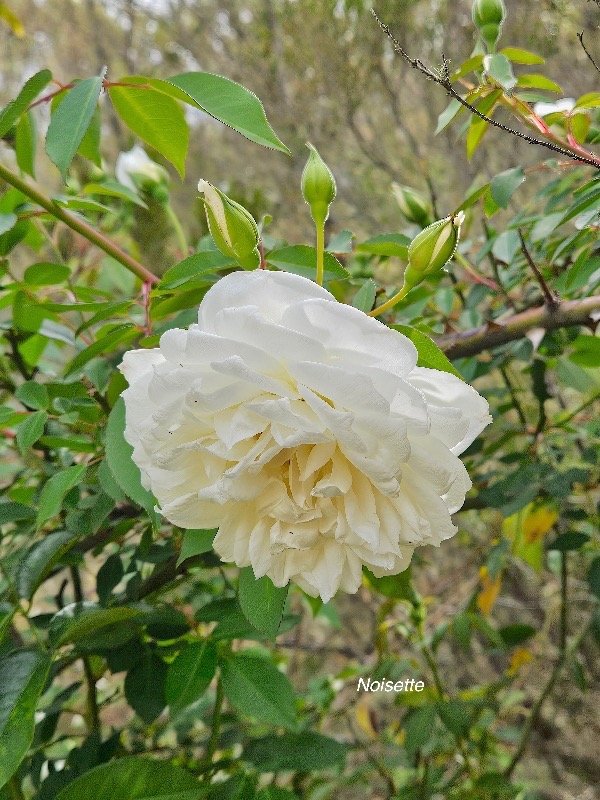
(136, 170)
(543, 109)
(303, 430)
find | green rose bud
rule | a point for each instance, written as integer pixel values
(318, 186)
(233, 229)
(432, 249)
(488, 16)
(412, 204)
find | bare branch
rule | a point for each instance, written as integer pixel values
(551, 300)
(587, 52)
(442, 78)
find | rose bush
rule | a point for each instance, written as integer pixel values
(304, 430)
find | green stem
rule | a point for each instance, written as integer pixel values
(320, 250)
(79, 225)
(92, 712)
(14, 789)
(216, 722)
(181, 240)
(391, 302)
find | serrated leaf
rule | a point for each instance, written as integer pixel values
(504, 185)
(119, 459)
(419, 728)
(231, 103)
(135, 778)
(196, 542)
(589, 100)
(15, 512)
(304, 752)
(261, 601)
(55, 489)
(39, 561)
(26, 96)
(190, 674)
(153, 116)
(81, 620)
(122, 334)
(520, 56)
(33, 395)
(30, 430)
(429, 353)
(365, 297)
(22, 678)
(535, 81)
(90, 144)
(25, 143)
(302, 260)
(193, 267)
(256, 689)
(70, 121)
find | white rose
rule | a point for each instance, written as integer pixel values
(303, 430)
(136, 165)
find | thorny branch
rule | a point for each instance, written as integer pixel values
(442, 77)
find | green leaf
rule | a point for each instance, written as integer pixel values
(193, 267)
(33, 395)
(589, 100)
(513, 635)
(429, 354)
(120, 335)
(302, 260)
(594, 576)
(90, 144)
(30, 430)
(153, 116)
(261, 601)
(70, 121)
(55, 489)
(365, 297)
(419, 728)
(455, 716)
(40, 560)
(386, 244)
(477, 126)
(535, 81)
(195, 542)
(120, 462)
(190, 674)
(452, 110)
(397, 586)
(110, 188)
(572, 540)
(499, 69)
(256, 689)
(587, 351)
(25, 143)
(15, 512)
(81, 620)
(26, 96)
(135, 778)
(304, 752)
(46, 274)
(22, 678)
(473, 64)
(145, 686)
(7, 222)
(504, 184)
(520, 56)
(231, 103)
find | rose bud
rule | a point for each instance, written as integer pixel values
(318, 186)
(136, 170)
(488, 16)
(432, 248)
(232, 228)
(412, 204)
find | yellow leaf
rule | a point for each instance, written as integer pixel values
(538, 522)
(12, 21)
(489, 591)
(519, 658)
(365, 717)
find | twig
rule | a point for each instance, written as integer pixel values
(587, 52)
(442, 78)
(79, 225)
(513, 396)
(535, 711)
(93, 716)
(216, 722)
(551, 300)
(495, 334)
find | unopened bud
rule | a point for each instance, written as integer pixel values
(412, 204)
(488, 16)
(432, 248)
(138, 172)
(318, 186)
(232, 228)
